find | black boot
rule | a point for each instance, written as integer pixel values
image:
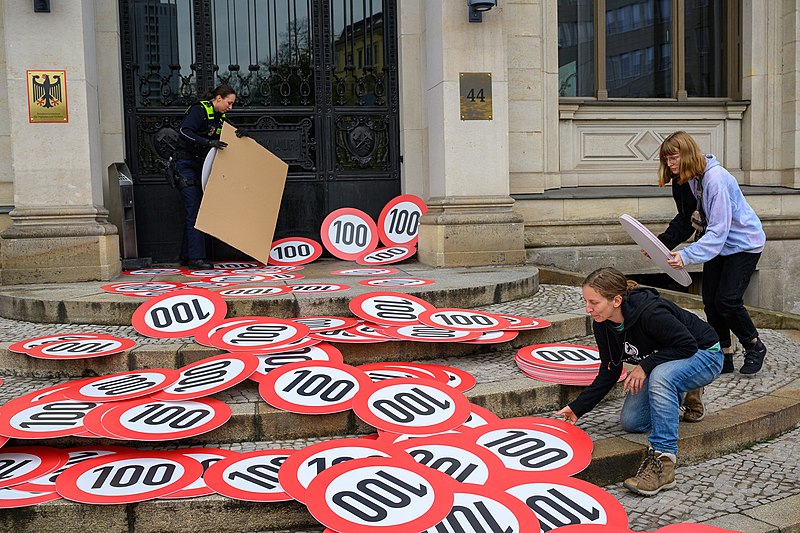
(753, 358)
(727, 363)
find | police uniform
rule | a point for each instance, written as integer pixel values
(201, 125)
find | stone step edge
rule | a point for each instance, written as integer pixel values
(571, 324)
(18, 305)
(613, 460)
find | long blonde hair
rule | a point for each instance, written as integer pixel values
(609, 282)
(693, 162)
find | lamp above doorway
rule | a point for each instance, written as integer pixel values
(41, 6)
(477, 8)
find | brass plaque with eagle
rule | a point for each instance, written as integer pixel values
(47, 96)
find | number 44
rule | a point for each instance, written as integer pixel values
(479, 96)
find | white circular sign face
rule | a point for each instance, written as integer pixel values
(304, 465)
(560, 356)
(478, 509)
(45, 419)
(319, 352)
(398, 222)
(348, 335)
(209, 376)
(294, 251)
(424, 333)
(27, 345)
(206, 457)
(348, 233)
(463, 320)
(365, 272)
(562, 501)
(386, 256)
(252, 292)
(265, 333)
(77, 455)
(128, 477)
(311, 289)
(327, 323)
(411, 406)
(389, 308)
(178, 314)
(153, 272)
(237, 266)
(123, 385)
(208, 162)
(450, 455)
(313, 388)
(396, 282)
(352, 496)
(21, 464)
(251, 476)
(238, 278)
(82, 348)
(654, 248)
(141, 286)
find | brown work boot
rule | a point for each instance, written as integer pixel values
(693, 408)
(656, 473)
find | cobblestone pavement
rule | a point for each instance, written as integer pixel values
(765, 473)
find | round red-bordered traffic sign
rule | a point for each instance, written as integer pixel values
(474, 505)
(566, 497)
(529, 447)
(253, 292)
(495, 337)
(463, 319)
(11, 497)
(411, 406)
(205, 273)
(47, 482)
(117, 478)
(25, 463)
(480, 416)
(425, 333)
(558, 355)
(386, 256)
(252, 476)
(327, 323)
(347, 233)
(432, 371)
(369, 329)
(319, 288)
(396, 282)
(458, 379)
(209, 376)
(54, 392)
(398, 222)
(347, 336)
(304, 465)
(45, 419)
(261, 334)
(146, 419)
(317, 387)
(422, 496)
(389, 308)
(222, 265)
(456, 457)
(293, 251)
(141, 286)
(204, 334)
(520, 323)
(239, 278)
(206, 457)
(382, 371)
(178, 314)
(154, 272)
(82, 348)
(365, 272)
(28, 344)
(122, 385)
(319, 352)
(206, 285)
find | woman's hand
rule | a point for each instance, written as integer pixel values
(635, 380)
(676, 261)
(567, 415)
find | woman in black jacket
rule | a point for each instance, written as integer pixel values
(674, 352)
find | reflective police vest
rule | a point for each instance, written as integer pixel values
(209, 107)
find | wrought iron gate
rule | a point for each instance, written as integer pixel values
(316, 83)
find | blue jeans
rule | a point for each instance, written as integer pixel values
(656, 406)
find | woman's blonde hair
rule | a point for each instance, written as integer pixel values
(693, 161)
(609, 282)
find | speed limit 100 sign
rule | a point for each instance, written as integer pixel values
(348, 233)
(389, 308)
(178, 314)
(294, 251)
(398, 222)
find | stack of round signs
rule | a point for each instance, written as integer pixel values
(565, 364)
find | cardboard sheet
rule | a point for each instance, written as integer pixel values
(243, 195)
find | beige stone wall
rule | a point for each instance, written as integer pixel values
(6, 173)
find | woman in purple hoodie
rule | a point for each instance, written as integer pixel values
(729, 240)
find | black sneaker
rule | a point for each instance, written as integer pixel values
(754, 358)
(199, 264)
(727, 363)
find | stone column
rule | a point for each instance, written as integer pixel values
(59, 230)
(470, 219)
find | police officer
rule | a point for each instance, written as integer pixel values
(199, 132)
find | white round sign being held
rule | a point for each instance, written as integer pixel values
(398, 223)
(654, 248)
(208, 162)
(347, 233)
(179, 314)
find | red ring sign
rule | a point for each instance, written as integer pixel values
(411, 406)
(252, 292)
(319, 352)
(206, 457)
(348, 233)
(495, 337)
(463, 461)
(351, 496)
(382, 371)
(398, 222)
(365, 272)
(318, 288)
(25, 463)
(396, 282)
(123, 385)
(261, 334)
(204, 334)
(141, 286)
(209, 376)
(566, 356)
(294, 251)
(313, 388)
(480, 416)
(178, 314)
(82, 348)
(326, 323)
(47, 483)
(46, 419)
(12, 497)
(153, 272)
(146, 419)
(386, 256)
(425, 333)
(346, 336)
(251, 476)
(524, 322)
(463, 320)
(28, 344)
(389, 308)
(304, 465)
(128, 477)
(237, 266)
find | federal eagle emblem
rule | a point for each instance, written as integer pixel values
(47, 93)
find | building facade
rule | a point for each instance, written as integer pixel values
(366, 100)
